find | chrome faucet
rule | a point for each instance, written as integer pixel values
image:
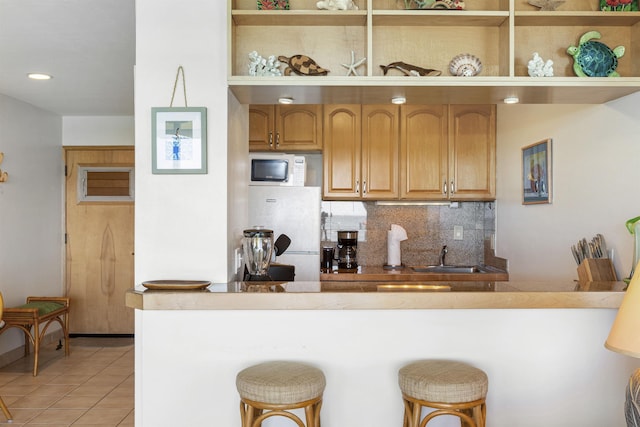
(443, 253)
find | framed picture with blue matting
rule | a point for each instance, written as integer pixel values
(179, 140)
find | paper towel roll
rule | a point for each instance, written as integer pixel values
(394, 236)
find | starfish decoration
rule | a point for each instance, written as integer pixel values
(351, 68)
(546, 4)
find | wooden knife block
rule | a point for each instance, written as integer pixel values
(596, 270)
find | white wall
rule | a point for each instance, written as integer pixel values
(545, 367)
(98, 130)
(596, 173)
(31, 206)
(238, 174)
(181, 220)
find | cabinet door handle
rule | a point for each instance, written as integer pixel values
(453, 188)
(277, 139)
(357, 186)
(364, 187)
(444, 188)
(270, 139)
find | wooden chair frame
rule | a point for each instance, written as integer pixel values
(252, 413)
(29, 321)
(471, 414)
(5, 411)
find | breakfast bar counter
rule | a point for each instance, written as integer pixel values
(381, 295)
(540, 343)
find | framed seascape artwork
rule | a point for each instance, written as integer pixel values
(179, 140)
(536, 173)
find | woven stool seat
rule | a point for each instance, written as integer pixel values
(280, 386)
(443, 381)
(453, 388)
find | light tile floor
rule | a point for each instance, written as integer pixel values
(93, 386)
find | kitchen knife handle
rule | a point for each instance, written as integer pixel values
(270, 139)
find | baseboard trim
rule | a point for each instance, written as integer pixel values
(101, 335)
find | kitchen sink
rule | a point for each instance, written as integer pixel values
(412, 287)
(446, 269)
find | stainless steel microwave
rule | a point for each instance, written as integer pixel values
(277, 169)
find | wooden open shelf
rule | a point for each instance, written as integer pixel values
(504, 34)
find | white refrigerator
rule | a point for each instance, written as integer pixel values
(294, 211)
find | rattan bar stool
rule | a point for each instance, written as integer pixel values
(451, 388)
(274, 388)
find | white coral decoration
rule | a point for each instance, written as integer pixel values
(258, 66)
(538, 68)
(337, 5)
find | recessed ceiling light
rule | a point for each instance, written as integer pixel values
(285, 100)
(39, 76)
(511, 100)
(398, 100)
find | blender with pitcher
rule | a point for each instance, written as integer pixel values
(257, 244)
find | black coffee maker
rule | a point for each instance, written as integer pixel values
(347, 250)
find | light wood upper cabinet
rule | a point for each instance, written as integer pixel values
(380, 143)
(472, 148)
(342, 152)
(424, 154)
(416, 152)
(287, 128)
(261, 127)
(361, 152)
(447, 152)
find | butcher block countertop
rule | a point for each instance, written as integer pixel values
(406, 274)
(382, 295)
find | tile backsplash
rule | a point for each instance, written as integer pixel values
(428, 229)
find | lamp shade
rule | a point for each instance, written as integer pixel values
(624, 336)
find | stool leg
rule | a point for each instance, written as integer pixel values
(406, 417)
(412, 412)
(471, 413)
(65, 329)
(5, 410)
(247, 415)
(27, 341)
(312, 414)
(36, 347)
(479, 415)
(415, 414)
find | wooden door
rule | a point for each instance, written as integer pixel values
(472, 152)
(341, 154)
(423, 152)
(99, 236)
(298, 128)
(261, 128)
(380, 146)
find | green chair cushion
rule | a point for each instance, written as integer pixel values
(44, 307)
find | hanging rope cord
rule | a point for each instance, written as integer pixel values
(175, 86)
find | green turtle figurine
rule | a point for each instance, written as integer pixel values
(302, 65)
(595, 59)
